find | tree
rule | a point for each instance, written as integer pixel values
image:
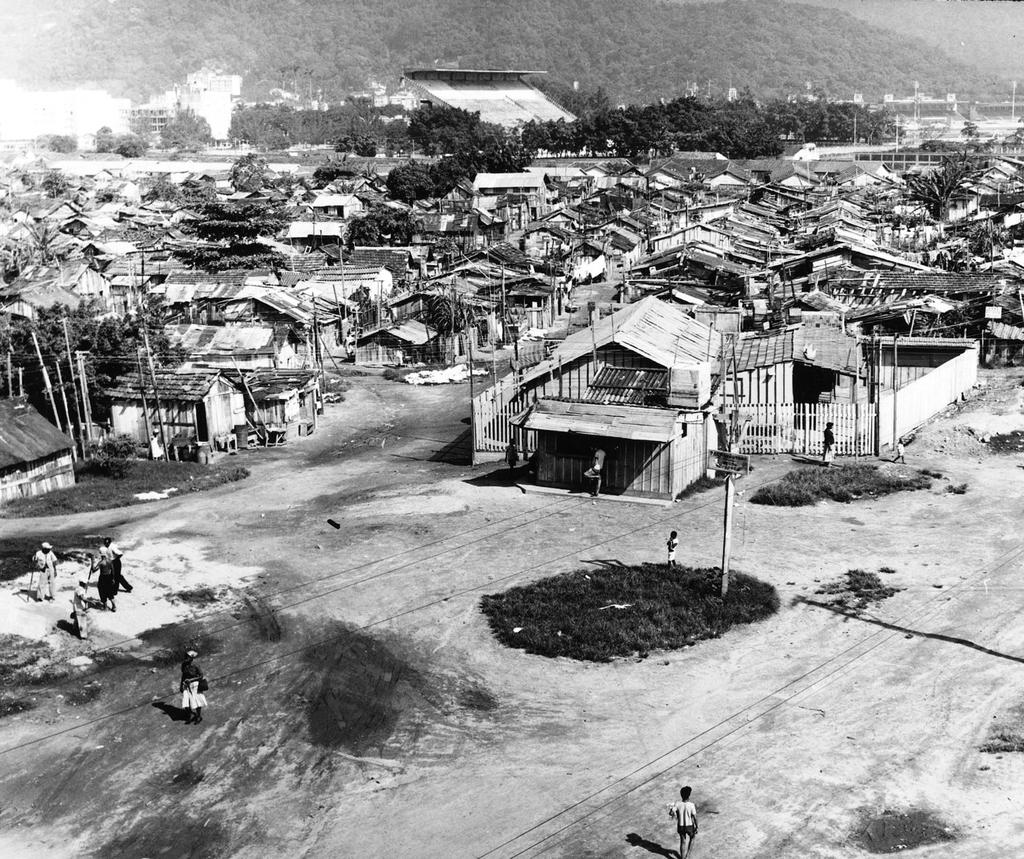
(232, 232)
(130, 146)
(365, 146)
(970, 131)
(410, 182)
(936, 188)
(63, 143)
(55, 183)
(186, 131)
(382, 225)
(249, 173)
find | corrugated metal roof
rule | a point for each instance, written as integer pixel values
(659, 331)
(225, 339)
(611, 421)
(25, 435)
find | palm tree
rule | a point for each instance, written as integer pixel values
(936, 188)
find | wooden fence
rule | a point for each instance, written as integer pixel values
(492, 410)
(798, 428)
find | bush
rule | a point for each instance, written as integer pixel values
(598, 615)
(113, 455)
(807, 486)
(392, 375)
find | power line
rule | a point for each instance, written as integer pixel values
(887, 635)
(397, 615)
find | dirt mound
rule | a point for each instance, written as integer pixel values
(895, 831)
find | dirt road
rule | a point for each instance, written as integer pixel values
(359, 706)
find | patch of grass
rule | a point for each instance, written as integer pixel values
(928, 472)
(858, 589)
(957, 489)
(83, 695)
(98, 491)
(203, 596)
(9, 705)
(174, 640)
(390, 374)
(1007, 734)
(806, 486)
(578, 615)
(19, 655)
(703, 484)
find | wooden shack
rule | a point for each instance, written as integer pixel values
(197, 406)
(649, 452)
(280, 404)
(35, 457)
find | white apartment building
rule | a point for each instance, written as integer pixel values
(26, 115)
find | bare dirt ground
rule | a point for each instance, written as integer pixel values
(360, 707)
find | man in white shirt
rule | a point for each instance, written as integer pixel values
(112, 553)
(685, 815)
(46, 563)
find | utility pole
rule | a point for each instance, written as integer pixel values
(451, 307)
(156, 393)
(730, 497)
(46, 381)
(472, 404)
(142, 392)
(895, 383)
(10, 376)
(86, 405)
(67, 411)
(74, 385)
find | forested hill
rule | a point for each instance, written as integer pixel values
(637, 50)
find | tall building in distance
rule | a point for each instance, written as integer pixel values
(28, 114)
(209, 94)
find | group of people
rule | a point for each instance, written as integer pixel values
(106, 563)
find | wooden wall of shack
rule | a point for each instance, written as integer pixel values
(37, 477)
(647, 469)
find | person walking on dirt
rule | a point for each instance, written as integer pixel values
(672, 544)
(105, 582)
(594, 472)
(192, 699)
(80, 610)
(114, 554)
(685, 814)
(900, 452)
(512, 458)
(829, 453)
(46, 564)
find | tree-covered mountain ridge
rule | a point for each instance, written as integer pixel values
(637, 50)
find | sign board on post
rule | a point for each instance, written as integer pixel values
(995, 312)
(734, 463)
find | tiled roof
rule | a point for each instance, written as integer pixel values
(25, 435)
(395, 261)
(628, 386)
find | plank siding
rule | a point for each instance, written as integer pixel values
(37, 477)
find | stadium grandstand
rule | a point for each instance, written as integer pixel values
(500, 96)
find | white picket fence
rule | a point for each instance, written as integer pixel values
(799, 428)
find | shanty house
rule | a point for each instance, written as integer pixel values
(245, 346)
(637, 385)
(280, 404)
(405, 342)
(35, 457)
(197, 406)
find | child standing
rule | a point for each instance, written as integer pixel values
(672, 544)
(900, 451)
